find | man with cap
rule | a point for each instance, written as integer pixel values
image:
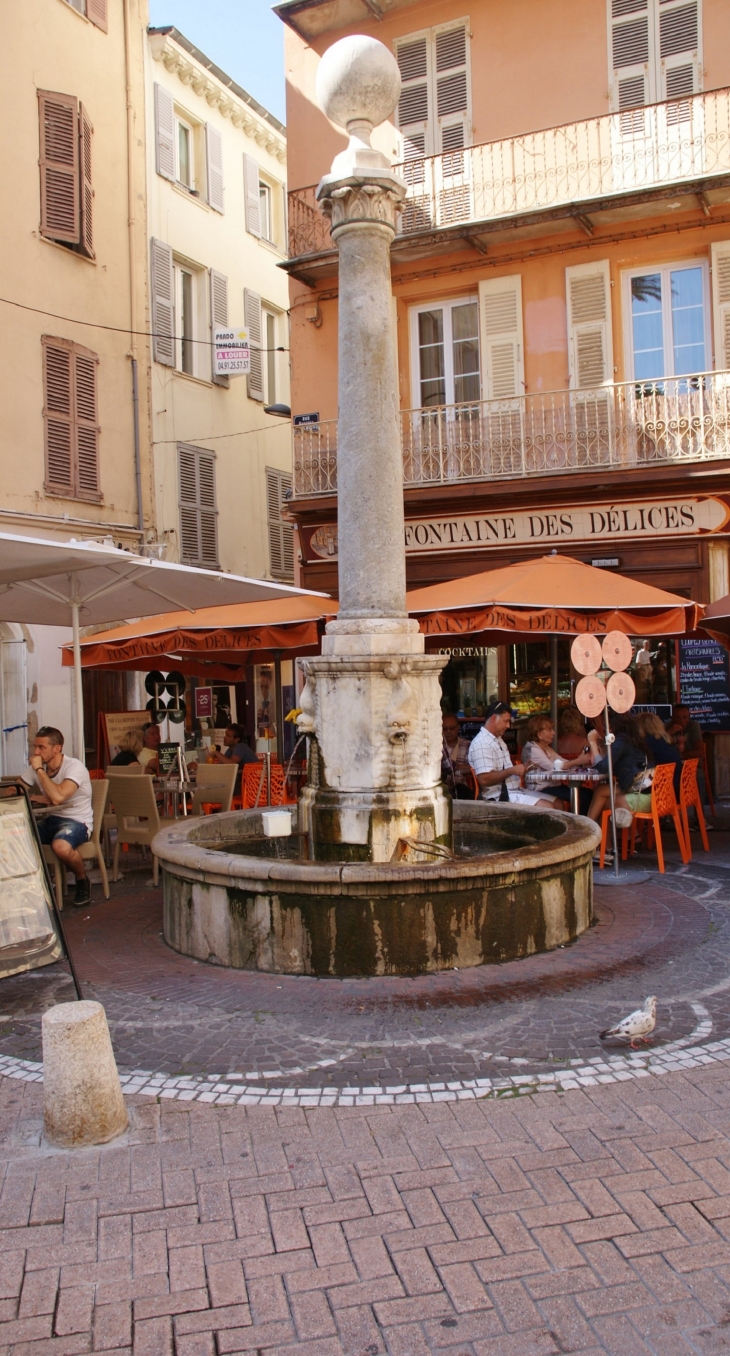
(490, 758)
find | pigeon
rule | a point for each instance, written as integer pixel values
(638, 1026)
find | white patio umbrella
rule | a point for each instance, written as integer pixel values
(53, 583)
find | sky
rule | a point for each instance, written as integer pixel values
(243, 37)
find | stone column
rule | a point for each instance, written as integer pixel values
(372, 701)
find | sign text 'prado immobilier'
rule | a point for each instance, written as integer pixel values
(599, 523)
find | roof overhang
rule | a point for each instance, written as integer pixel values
(311, 18)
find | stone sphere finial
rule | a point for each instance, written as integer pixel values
(358, 81)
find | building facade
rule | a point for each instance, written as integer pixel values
(216, 193)
(74, 441)
(561, 283)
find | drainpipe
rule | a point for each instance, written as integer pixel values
(131, 228)
(137, 454)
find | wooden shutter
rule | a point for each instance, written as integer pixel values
(251, 195)
(71, 419)
(87, 429)
(96, 11)
(87, 190)
(631, 56)
(679, 50)
(414, 105)
(58, 415)
(164, 133)
(198, 517)
(252, 322)
(281, 534)
(452, 89)
(59, 165)
(214, 165)
(218, 316)
(590, 344)
(500, 315)
(721, 304)
(163, 309)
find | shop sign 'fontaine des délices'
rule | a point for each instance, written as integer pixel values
(598, 523)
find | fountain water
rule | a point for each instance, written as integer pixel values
(369, 883)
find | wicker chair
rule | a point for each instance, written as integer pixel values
(89, 851)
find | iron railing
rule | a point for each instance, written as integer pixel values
(631, 424)
(618, 153)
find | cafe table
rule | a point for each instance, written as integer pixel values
(574, 779)
(174, 794)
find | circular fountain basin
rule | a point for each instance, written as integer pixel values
(521, 882)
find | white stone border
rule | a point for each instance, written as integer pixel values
(248, 1091)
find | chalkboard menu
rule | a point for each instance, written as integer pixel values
(168, 758)
(704, 682)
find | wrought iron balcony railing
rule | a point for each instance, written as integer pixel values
(632, 424)
(619, 153)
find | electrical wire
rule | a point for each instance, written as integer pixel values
(120, 329)
(216, 437)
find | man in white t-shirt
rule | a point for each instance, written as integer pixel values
(492, 762)
(65, 784)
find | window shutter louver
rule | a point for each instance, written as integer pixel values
(214, 162)
(679, 41)
(500, 315)
(189, 524)
(87, 431)
(655, 54)
(590, 346)
(58, 417)
(96, 10)
(208, 517)
(251, 195)
(59, 166)
(252, 322)
(414, 105)
(281, 534)
(452, 89)
(164, 133)
(87, 191)
(721, 304)
(198, 515)
(161, 279)
(218, 316)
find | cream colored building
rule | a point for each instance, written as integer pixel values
(73, 252)
(216, 219)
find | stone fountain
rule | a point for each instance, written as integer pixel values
(375, 877)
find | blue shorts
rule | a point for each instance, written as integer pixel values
(72, 831)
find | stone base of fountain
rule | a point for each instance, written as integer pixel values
(520, 883)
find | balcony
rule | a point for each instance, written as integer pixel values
(600, 161)
(613, 428)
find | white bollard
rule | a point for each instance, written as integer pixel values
(82, 1095)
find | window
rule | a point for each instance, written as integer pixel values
(198, 514)
(655, 48)
(270, 328)
(445, 342)
(433, 111)
(281, 533)
(95, 10)
(668, 316)
(265, 216)
(67, 194)
(187, 152)
(70, 420)
(262, 197)
(185, 320)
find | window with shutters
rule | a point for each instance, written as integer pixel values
(67, 194)
(281, 533)
(70, 418)
(95, 11)
(188, 152)
(590, 344)
(721, 303)
(655, 53)
(198, 514)
(434, 110)
(253, 320)
(189, 311)
(445, 353)
(668, 313)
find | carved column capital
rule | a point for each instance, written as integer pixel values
(357, 202)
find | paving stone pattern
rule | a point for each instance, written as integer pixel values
(592, 1221)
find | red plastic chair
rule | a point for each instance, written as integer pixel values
(663, 804)
(689, 794)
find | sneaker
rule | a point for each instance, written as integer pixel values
(624, 818)
(83, 892)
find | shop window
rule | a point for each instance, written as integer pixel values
(445, 347)
(470, 680)
(668, 311)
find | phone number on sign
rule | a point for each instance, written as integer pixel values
(232, 362)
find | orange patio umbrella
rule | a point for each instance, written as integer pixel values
(213, 642)
(549, 595)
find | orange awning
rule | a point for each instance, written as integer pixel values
(217, 642)
(547, 596)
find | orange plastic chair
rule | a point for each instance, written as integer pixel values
(708, 788)
(97, 774)
(253, 785)
(663, 803)
(689, 794)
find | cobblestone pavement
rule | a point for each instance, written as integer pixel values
(524, 1019)
(592, 1221)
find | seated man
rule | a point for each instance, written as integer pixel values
(65, 784)
(236, 751)
(148, 756)
(491, 761)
